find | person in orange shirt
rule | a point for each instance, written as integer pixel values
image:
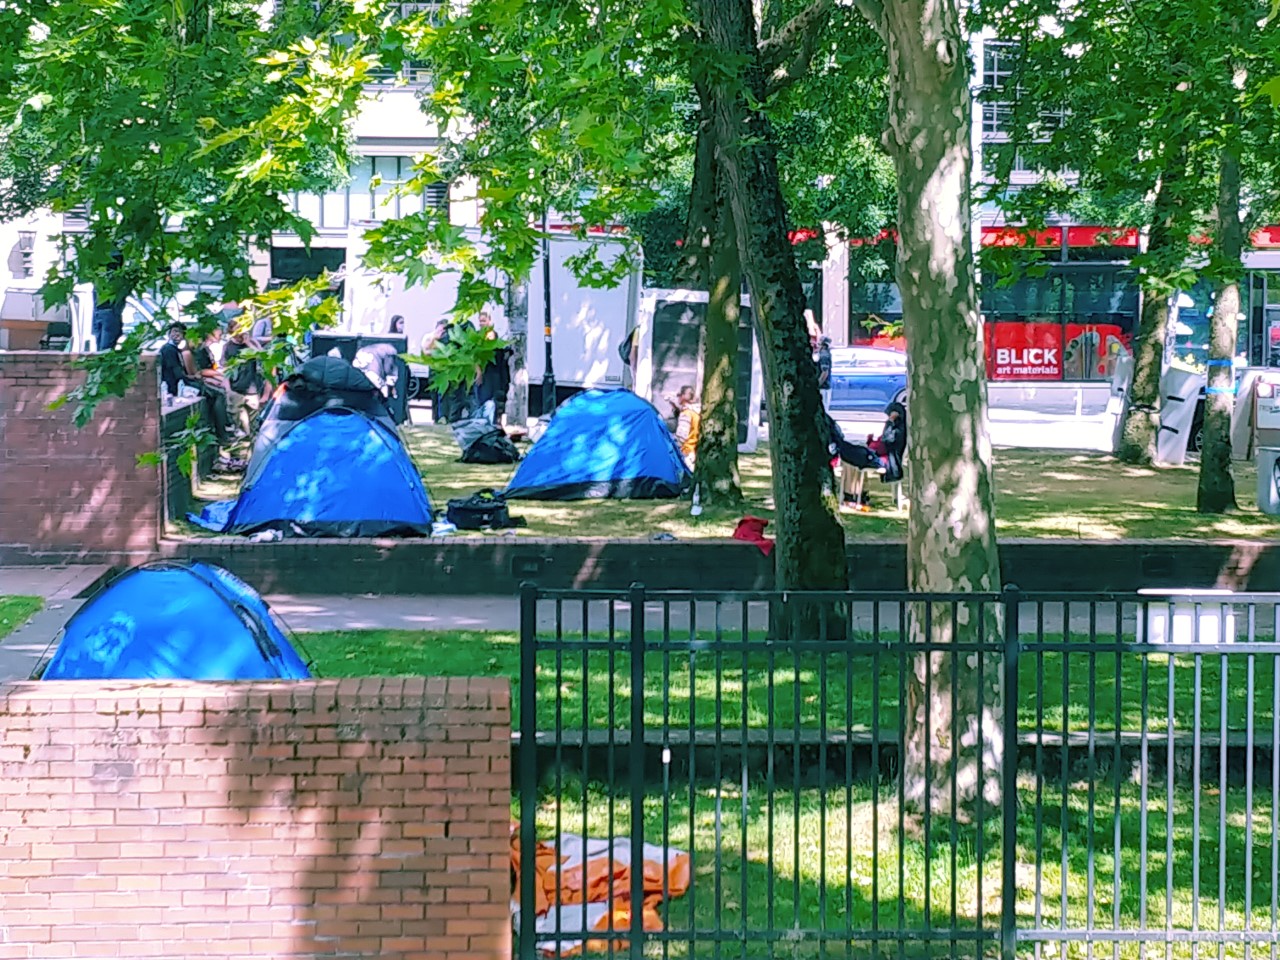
(688, 424)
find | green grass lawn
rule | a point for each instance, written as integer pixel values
(15, 611)
(1039, 494)
(829, 855)
(835, 861)
(703, 690)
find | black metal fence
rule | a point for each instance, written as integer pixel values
(825, 775)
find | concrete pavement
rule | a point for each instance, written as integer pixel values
(63, 590)
(22, 650)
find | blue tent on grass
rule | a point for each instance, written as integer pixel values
(175, 622)
(602, 444)
(335, 473)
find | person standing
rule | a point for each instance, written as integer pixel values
(824, 372)
(495, 379)
(213, 387)
(108, 315)
(245, 380)
(173, 372)
(688, 425)
(108, 323)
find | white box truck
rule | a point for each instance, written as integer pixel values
(588, 325)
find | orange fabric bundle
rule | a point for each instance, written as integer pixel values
(587, 889)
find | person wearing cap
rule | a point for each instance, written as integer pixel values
(824, 372)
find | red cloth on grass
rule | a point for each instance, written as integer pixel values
(751, 530)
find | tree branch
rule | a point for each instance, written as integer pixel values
(785, 54)
(873, 11)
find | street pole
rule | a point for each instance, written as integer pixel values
(549, 375)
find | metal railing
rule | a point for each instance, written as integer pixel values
(824, 775)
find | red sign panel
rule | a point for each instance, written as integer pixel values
(1024, 351)
(1048, 351)
(1019, 237)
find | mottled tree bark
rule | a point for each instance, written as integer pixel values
(810, 551)
(1216, 491)
(954, 701)
(1142, 421)
(712, 262)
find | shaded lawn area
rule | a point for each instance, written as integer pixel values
(703, 690)
(835, 861)
(1040, 494)
(17, 610)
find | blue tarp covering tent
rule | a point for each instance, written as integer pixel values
(178, 622)
(336, 473)
(602, 444)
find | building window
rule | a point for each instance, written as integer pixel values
(412, 71)
(997, 69)
(372, 194)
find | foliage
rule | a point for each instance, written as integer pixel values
(189, 442)
(548, 110)
(178, 129)
(460, 359)
(1106, 92)
(293, 313)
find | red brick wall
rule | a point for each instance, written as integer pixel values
(68, 491)
(352, 818)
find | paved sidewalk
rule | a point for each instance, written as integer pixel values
(23, 649)
(52, 583)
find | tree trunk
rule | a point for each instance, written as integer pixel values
(810, 552)
(954, 702)
(1216, 492)
(712, 262)
(1142, 422)
(518, 335)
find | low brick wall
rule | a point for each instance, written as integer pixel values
(495, 566)
(69, 492)
(351, 818)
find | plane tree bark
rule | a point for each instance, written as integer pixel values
(954, 700)
(810, 550)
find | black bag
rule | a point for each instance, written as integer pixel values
(484, 509)
(492, 447)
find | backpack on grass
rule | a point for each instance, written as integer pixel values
(483, 510)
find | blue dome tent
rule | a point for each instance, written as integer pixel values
(602, 444)
(175, 622)
(336, 473)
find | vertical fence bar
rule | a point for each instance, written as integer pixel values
(528, 770)
(1144, 772)
(953, 768)
(1170, 758)
(1223, 783)
(1009, 782)
(1038, 914)
(1248, 788)
(903, 636)
(611, 774)
(1197, 746)
(1116, 726)
(1091, 774)
(636, 773)
(745, 776)
(666, 767)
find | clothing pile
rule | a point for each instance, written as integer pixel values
(583, 887)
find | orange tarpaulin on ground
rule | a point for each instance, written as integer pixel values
(584, 886)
